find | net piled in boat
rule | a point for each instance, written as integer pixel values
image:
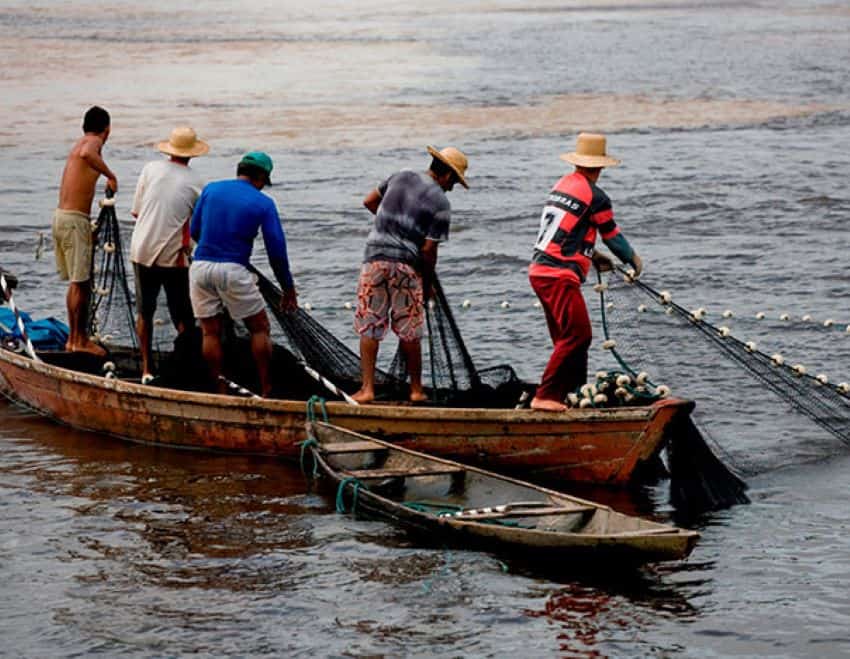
(454, 379)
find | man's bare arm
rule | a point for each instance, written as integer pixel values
(429, 264)
(372, 201)
(90, 152)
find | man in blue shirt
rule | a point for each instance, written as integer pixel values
(227, 217)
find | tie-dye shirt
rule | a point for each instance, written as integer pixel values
(413, 209)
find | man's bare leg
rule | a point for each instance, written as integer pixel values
(77, 300)
(368, 358)
(261, 348)
(144, 328)
(412, 351)
(211, 349)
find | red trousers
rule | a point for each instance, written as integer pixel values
(569, 327)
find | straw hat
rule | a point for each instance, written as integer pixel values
(454, 159)
(590, 152)
(184, 143)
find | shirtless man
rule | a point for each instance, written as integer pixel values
(72, 232)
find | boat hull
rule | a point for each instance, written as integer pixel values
(603, 446)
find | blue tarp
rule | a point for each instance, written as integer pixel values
(45, 334)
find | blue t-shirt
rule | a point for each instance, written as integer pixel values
(227, 217)
(413, 208)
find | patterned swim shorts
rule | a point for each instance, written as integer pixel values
(389, 294)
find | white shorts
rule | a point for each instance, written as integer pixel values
(214, 287)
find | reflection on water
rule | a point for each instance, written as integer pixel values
(142, 527)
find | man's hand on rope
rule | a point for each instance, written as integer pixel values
(637, 264)
(289, 300)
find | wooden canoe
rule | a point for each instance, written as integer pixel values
(448, 501)
(603, 446)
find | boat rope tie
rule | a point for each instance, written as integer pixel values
(311, 408)
(340, 501)
(306, 444)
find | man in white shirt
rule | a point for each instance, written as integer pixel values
(160, 247)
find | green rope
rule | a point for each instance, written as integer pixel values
(620, 360)
(311, 408)
(307, 443)
(340, 501)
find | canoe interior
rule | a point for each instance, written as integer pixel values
(450, 500)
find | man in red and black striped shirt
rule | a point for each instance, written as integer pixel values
(575, 212)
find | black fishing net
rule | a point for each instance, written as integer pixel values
(454, 379)
(699, 480)
(650, 329)
(111, 313)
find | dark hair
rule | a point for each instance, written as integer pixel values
(96, 120)
(252, 172)
(440, 168)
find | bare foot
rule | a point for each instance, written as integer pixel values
(418, 397)
(363, 396)
(88, 346)
(545, 405)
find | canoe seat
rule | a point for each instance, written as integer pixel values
(431, 470)
(351, 447)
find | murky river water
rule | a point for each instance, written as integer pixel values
(732, 122)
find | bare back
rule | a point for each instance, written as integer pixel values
(76, 191)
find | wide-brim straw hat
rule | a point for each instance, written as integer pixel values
(184, 143)
(590, 152)
(454, 159)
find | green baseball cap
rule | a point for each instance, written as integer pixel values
(261, 160)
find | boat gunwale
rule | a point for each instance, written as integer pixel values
(510, 415)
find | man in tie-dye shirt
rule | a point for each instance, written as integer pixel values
(412, 215)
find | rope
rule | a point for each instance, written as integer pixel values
(308, 443)
(823, 402)
(311, 410)
(340, 501)
(622, 362)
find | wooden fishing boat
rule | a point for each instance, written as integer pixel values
(604, 446)
(448, 501)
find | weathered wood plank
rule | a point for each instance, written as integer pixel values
(351, 447)
(432, 470)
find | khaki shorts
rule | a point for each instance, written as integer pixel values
(72, 244)
(214, 287)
